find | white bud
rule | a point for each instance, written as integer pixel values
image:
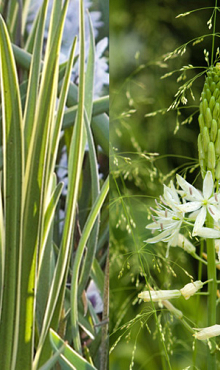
(190, 289)
(159, 295)
(209, 332)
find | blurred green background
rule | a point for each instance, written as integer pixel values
(141, 34)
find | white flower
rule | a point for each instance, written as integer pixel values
(209, 332)
(159, 295)
(217, 247)
(208, 233)
(190, 289)
(169, 218)
(184, 243)
(201, 203)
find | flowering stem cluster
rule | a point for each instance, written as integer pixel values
(199, 210)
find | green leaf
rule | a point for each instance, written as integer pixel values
(36, 187)
(78, 258)
(95, 189)
(92, 242)
(34, 76)
(100, 105)
(12, 177)
(53, 360)
(98, 276)
(100, 127)
(100, 124)
(69, 359)
(75, 167)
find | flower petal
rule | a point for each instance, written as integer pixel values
(193, 215)
(200, 220)
(191, 192)
(189, 206)
(214, 212)
(160, 236)
(208, 185)
(184, 243)
(207, 233)
(174, 241)
(154, 226)
(171, 196)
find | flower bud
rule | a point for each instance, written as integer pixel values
(205, 138)
(203, 106)
(208, 117)
(190, 289)
(209, 332)
(217, 171)
(209, 123)
(159, 295)
(212, 103)
(211, 157)
(216, 93)
(177, 313)
(203, 167)
(201, 122)
(212, 86)
(214, 128)
(208, 94)
(216, 111)
(201, 148)
(217, 143)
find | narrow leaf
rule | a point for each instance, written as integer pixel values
(12, 177)
(69, 356)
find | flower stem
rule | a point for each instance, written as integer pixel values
(213, 34)
(212, 287)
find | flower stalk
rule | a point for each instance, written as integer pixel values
(212, 288)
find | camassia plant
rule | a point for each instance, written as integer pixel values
(44, 312)
(188, 217)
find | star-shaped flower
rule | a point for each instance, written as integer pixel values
(200, 202)
(169, 218)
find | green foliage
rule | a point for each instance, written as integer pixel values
(37, 259)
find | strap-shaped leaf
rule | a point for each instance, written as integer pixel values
(92, 242)
(95, 189)
(35, 188)
(78, 258)
(100, 105)
(12, 177)
(74, 166)
(69, 359)
(100, 124)
(34, 76)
